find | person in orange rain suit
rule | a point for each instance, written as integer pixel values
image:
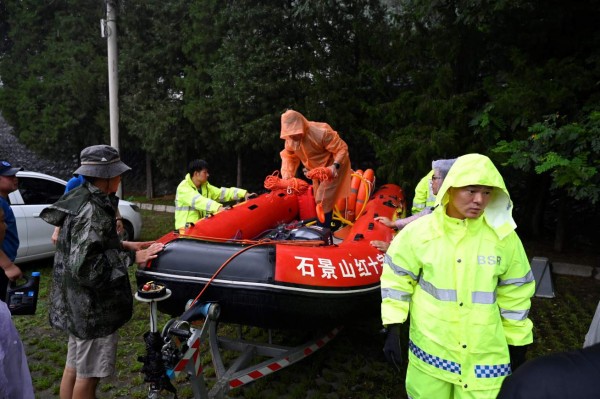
(316, 144)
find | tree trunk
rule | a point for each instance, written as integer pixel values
(561, 223)
(149, 185)
(540, 199)
(239, 170)
(532, 206)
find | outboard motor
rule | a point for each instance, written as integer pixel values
(316, 233)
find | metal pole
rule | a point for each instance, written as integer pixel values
(113, 75)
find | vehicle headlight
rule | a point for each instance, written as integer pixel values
(135, 208)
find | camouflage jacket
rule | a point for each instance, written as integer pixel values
(91, 293)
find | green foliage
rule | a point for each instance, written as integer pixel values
(403, 81)
(569, 152)
(151, 63)
(249, 80)
(53, 93)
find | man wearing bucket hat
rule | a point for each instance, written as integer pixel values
(8, 249)
(91, 294)
(462, 274)
(73, 183)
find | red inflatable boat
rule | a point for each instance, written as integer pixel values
(268, 267)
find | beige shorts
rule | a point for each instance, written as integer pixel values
(93, 358)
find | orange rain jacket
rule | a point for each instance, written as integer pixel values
(319, 146)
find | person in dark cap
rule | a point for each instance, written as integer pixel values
(8, 249)
(91, 294)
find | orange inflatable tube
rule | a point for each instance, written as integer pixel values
(342, 203)
(354, 186)
(364, 191)
(341, 206)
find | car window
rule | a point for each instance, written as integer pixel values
(39, 191)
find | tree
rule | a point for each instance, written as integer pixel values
(54, 76)
(568, 153)
(151, 65)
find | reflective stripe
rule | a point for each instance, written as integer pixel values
(397, 269)
(223, 192)
(486, 298)
(184, 208)
(193, 205)
(419, 206)
(438, 293)
(208, 204)
(395, 294)
(492, 370)
(517, 315)
(235, 194)
(431, 196)
(435, 361)
(528, 278)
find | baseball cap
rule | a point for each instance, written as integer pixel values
(6, 169)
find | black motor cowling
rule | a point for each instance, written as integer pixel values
(313, 233)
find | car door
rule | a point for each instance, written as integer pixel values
(36, 194)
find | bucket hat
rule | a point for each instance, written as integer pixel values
(6, 169)
(101, 161)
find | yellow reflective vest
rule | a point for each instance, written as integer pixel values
(466, 285)
(192, 203)
(424, 197)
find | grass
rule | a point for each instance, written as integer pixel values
(164, 200)
(350, 366)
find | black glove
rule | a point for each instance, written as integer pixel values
(391, 348)
(517, 356)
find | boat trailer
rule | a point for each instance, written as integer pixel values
(178, 350)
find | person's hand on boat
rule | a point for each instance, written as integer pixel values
(391, 349)
(380, 245)
(249, 195)
(148, 253)
(385, 221)
(137, 245)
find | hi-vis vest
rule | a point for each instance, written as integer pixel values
(424, 197)
(467, 284)
(192, 204)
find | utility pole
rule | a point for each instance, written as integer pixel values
(110, 32)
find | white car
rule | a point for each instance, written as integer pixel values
(36, 192)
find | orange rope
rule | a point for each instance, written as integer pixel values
(256, 244)
(292, 186)
(321, 173)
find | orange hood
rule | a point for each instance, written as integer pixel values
(292, 122)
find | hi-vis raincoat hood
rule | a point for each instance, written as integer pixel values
(476, 169)
(318, 145)
(466, 285)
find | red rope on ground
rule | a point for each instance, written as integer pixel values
(292, 186)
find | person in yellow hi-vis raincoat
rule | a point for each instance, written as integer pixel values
(197, 198)
(463, 275)
(424, 196)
